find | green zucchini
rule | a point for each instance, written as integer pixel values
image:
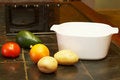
(26, 38)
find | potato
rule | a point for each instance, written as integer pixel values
(66, 57)
(47, 64)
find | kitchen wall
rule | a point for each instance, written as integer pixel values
(103, 4)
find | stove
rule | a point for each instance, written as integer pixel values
(35, 18)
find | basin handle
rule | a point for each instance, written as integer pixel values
(54, 27)
(114, 30)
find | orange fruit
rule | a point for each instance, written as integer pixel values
(38, 51)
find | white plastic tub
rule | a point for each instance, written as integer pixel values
(88, 40)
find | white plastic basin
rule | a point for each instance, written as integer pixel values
(87, 39)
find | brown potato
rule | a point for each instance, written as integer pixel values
(47, 64)
(66, 57)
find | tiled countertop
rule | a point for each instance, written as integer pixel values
(22, 68)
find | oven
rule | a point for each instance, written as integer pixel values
(35, 18)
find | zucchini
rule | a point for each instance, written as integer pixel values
(26, 38)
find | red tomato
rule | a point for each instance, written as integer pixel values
(10, 49)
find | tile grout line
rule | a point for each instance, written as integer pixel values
(87, 71)
(25, 68)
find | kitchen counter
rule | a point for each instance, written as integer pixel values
(22, 68)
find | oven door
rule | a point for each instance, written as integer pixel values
(35, 18)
